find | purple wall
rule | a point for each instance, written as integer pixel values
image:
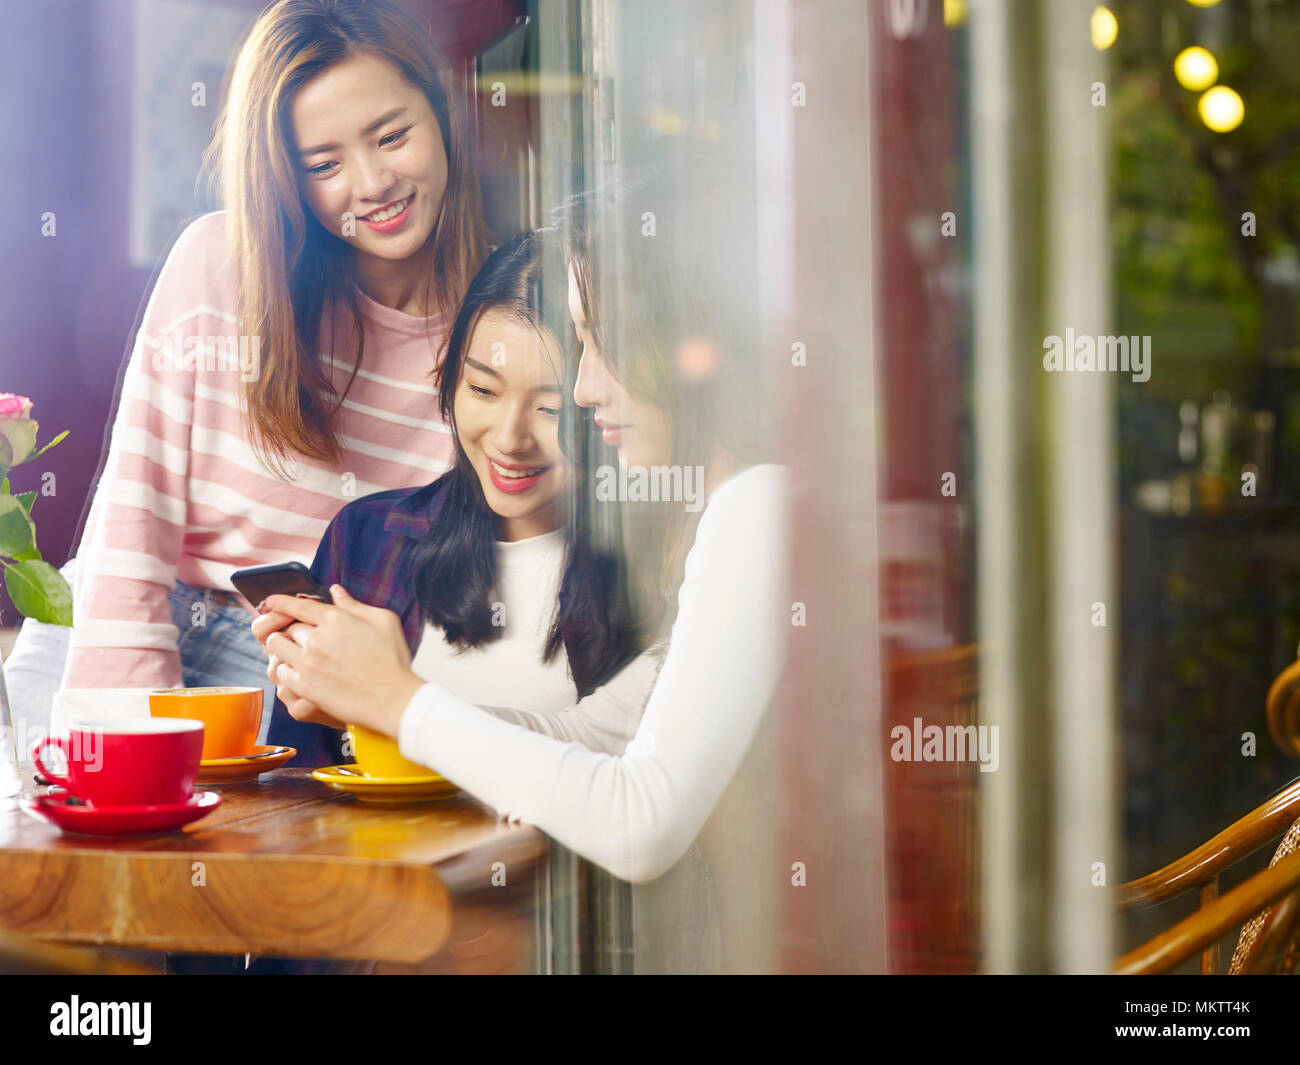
(68, 302)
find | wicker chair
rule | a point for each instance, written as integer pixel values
(1268, 903)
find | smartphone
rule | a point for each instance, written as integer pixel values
(278, 578)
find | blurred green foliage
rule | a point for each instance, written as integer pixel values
(1211, 608)
(1184, 273)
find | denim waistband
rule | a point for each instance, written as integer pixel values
(213, 597)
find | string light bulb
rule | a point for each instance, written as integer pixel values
(1105, 28)
(1196, 69)
(1221, 109)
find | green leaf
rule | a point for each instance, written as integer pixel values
(27, 553)
(26, 499)
(49, 445)
(17, 533)
(39, 591)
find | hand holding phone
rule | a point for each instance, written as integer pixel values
(282, 578)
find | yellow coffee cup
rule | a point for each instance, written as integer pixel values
(231, 717)
(378, 756)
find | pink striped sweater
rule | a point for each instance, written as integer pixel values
(184, 496)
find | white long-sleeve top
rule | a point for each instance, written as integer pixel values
(508, 678)
(637, 813)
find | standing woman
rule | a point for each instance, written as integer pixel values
(287, 358)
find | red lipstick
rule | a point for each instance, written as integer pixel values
(514, 485)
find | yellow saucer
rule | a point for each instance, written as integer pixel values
(353, 780)
(241, 768)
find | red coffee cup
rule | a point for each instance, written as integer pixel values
(139, 762)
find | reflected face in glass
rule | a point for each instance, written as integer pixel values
(369, 143)
(507, 416)
(635, 426)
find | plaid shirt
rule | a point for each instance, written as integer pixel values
(367, 548)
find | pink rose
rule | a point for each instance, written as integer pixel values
(14, 406)
(17, 430)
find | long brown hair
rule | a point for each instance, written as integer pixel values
(288, 267)
(646, 300)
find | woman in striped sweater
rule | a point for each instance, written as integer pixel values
(287, 358)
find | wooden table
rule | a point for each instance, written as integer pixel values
(284, 867)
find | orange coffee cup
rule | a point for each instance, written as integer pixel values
(231, 716)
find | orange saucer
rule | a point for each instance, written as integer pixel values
(354, 780)
(245, 767)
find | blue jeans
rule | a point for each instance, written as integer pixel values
(218, 648)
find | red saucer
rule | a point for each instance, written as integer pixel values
(118, 820)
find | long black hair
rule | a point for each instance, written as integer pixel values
(455, 564)
(649, 303)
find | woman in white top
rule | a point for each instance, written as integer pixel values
(634, 813)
